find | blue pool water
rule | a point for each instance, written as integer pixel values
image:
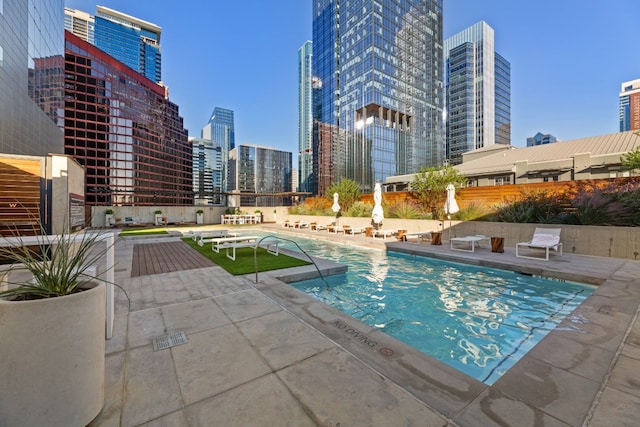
(478, 320)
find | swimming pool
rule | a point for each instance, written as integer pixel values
(478, 320)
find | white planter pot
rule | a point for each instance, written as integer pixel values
(52, 360)
(158, 219)
(108, 220)
(199, 218)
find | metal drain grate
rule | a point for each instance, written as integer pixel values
(167, 341)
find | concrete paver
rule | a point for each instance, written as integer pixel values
(264, 354)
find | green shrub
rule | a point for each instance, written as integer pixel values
(472, 212)
(405, 209)
(360, 209)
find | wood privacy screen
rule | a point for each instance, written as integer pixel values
(490, 196)
(20, 190)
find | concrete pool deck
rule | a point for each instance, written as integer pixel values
(265, 354)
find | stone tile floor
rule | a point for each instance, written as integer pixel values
(264, 354)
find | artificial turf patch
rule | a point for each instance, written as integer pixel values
(143, 231)
(244, 263)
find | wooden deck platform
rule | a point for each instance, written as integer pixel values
(156, 258)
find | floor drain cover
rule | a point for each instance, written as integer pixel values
(168, 341)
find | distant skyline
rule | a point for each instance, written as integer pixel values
(568, 60)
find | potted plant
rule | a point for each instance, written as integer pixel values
(108, 217)
(199, 216)
(52, 330)
(158, 217)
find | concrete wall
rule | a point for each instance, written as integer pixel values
(614, 242)
(145, 214)
(67, 178)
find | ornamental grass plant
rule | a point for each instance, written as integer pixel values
(58, 265)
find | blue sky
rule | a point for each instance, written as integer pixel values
(568, 59)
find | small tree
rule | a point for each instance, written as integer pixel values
(429, 186)
(631, 160)
(348, 193)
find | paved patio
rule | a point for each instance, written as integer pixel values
(264, 354)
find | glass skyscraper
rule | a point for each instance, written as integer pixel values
(31, 77)
(260, 176)
(208, 172)
(125, 131)
(378, 89)
(132, 41)
(478, 90)
(305, 118)
(220, 130)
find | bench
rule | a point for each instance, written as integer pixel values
(272, 247)
(207, 236)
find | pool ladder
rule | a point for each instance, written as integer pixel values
(255, 257)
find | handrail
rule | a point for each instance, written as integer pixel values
(271, 236)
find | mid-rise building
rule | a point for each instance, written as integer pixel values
(130, 40)
(541, 139)
(630, 105)
(478, 91)
(209, 166)
(124, 130)
(80, 23)
(260, 176)
(379, 77)
(221, 131)
(31, 76)
(305, 118)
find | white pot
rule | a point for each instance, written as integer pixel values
(108, 220)
(158, 218)
(199, 218)
(52, 359)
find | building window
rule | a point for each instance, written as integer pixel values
(502, 180)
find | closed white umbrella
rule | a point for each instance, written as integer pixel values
(377, 215)
(451, 206)
(336, 207)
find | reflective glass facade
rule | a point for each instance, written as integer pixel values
(221, 131)
(31, 76)
(261, 175)
(305, 118)
(208, 172)
(130, 40)
(379, 101)
(124, 130)
(478, 89)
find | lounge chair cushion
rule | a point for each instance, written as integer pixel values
(545, 240)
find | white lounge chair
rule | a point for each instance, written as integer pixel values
(469, 242)
(543, 238)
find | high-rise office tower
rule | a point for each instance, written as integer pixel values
(478, 92)
(541, 139)
(379, 100)
(305, 118)
(220, 130)
(630, 105)
(132, 41)
(125, 131)
(260, 176)
(208, 172)
(31, 77)
(80, 23)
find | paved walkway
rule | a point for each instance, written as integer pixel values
(264, 354)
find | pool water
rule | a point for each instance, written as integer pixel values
(478, 320)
